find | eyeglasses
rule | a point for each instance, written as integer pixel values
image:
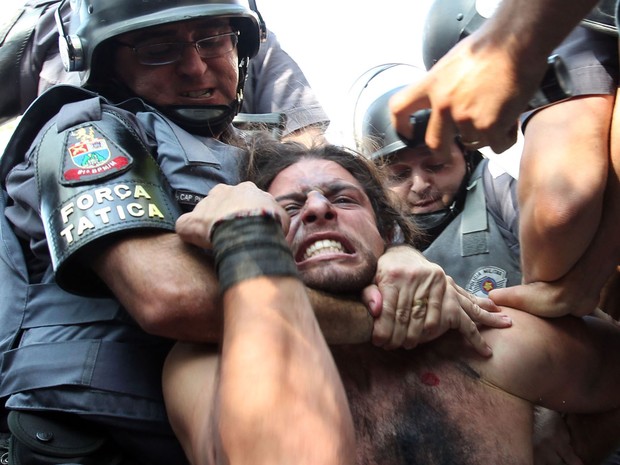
(171, 52)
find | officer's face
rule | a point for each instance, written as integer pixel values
(191, 80)
(425, 181)
(333, 232)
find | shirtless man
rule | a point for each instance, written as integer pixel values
(443, 403)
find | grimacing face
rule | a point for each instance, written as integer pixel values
(333, 233)
(425, 181)
(190, 81)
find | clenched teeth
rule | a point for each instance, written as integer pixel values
(198, 93)
(324, 246)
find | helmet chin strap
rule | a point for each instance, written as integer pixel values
(432, 224)
(207, 120)
(201, 120)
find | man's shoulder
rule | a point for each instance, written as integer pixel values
(43, 110)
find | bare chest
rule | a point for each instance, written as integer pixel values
(416, 408)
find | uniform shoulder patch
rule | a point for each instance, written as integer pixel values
(88, 155)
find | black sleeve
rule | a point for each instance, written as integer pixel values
(591, 58)
(97, 180)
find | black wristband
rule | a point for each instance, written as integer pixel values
(250, 246)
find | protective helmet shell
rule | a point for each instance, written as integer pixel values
(449, 21)
(378, 132)
(94, 22)
(373, 133)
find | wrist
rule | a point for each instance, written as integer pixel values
(248, 247)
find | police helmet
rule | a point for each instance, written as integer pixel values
(449, 21)
(375, 136)
(373, 132)
(93, 22)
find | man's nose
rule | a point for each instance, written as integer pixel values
(191, 62)
(420, 182)
(318, 209)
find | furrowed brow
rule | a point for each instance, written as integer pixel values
(326, 189)
(295, 196)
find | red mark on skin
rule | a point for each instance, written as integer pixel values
(430, 379)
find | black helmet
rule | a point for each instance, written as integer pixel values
(449, 21)
(93, 22)
(373, 132)
(375, 136)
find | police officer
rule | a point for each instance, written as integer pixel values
(469, 216)
(96, 284)
(559, 218)
(93, 199)
(276, 84)
(30, 60)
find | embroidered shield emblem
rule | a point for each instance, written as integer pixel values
(90, 156)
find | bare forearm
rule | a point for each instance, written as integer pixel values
(170, 288)
(605, 246)
(602, 258)
(559, 219)
(531, 29)
(279, 385)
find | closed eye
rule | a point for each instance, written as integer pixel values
(398, 175)
(435, 168)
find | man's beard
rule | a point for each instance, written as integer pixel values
(337, 279)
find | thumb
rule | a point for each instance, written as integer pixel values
(507, 297)
(371, 297)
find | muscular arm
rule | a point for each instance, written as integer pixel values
(578, 291)
(168, 286)
(280, 396)
(171, 290)
(559, 218)
(277, 383)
